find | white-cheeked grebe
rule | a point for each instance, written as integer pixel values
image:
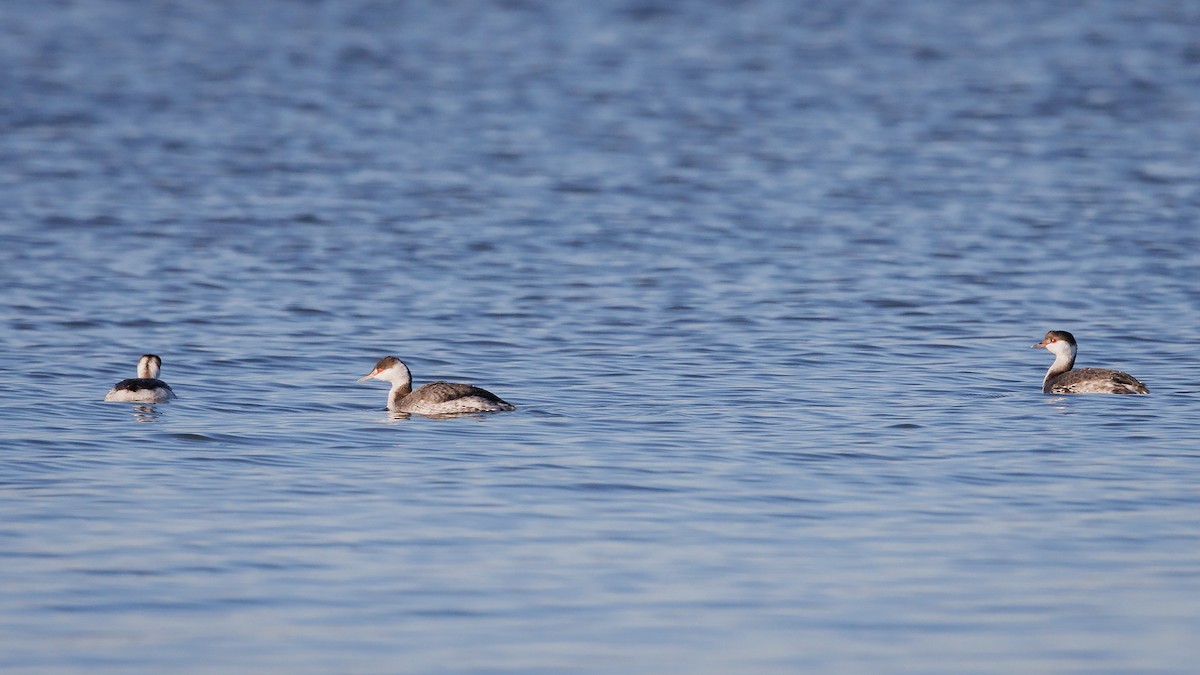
(145, 388)
(1061, 379)
(435, 398)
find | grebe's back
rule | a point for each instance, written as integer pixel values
(145, 388)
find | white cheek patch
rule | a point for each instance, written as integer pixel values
(1060, 347)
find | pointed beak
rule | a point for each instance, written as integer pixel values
(369, 375)
(1040, 344)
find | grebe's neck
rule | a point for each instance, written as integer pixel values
(148, 366)
(1064, 360)
(400, 389)
(400, 377)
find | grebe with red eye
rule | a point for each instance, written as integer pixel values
(145, 388)
(434, 398)
(1060, 379)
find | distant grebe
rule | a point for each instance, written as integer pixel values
(145, 388)
(435, 398)
(1060, 379)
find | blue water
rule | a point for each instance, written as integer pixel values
(761, 277)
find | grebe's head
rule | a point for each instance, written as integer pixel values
(149, 365)
(1058, 342)
(389, 369)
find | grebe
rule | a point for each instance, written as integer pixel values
(1060, 379)
(435, 398)
(145, 388)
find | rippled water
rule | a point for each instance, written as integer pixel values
(762, 279)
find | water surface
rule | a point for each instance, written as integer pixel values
(761, 278)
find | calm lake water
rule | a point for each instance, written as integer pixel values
(762, 278)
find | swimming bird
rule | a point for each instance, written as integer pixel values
(1060, 379)
(145, 388)
(435, 398)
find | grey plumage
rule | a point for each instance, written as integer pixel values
(1094, 380)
